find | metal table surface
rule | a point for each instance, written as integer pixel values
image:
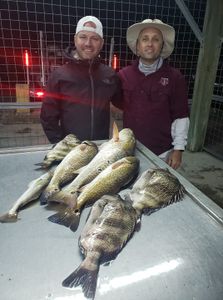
(177, 254)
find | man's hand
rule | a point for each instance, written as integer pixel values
(175, 158)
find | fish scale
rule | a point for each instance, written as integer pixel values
(122, 144)
(101, 242)
(32, 193)
(77, 158)
(59, 151)
(109, 152)
(112, 221)
(156, 188)
(109, 181)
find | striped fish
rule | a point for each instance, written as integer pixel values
(110, 224)
(155, 188)
(59, 151)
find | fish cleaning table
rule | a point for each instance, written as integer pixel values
(177, 254)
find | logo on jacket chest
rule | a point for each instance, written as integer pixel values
(164, 81)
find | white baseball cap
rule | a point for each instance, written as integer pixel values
(167, 31)
(98, 26)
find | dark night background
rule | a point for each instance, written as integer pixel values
(21, 22)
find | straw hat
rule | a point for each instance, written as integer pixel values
(167, 31)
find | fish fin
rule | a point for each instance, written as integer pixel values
(138, 223)
(46, 166)
(81, 188)
(148, 211)
(48, 193)
(43, 199)
(128, 185)
(68, 199)
(76, 172)
(84, 277)
(42, 167)
(9, 218)
(178, 196)
(69, 218)
(39, 164)
(115, 134)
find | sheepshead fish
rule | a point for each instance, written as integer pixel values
(33, 192)
(111, 223)
(78, 157)
(59, 151)
(122, 144)
(109, 181)
(155, 188)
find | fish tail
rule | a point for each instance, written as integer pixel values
(9, 218)
(48, 193)
(84, 277)
(70, 218)
(115, 132)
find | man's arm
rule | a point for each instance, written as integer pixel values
(179, 132)
(50, 112)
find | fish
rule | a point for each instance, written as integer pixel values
(109, 181)
(155, 189)
(32, 193)
(122, 144)
(69, 167)
(59, 151)
(110, 225)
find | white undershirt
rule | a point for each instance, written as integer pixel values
(179, 132)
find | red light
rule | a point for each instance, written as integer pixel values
(26, 56)
(40, 94)
(115, 62)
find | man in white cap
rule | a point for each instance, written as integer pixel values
(79, 93)
(155, 103)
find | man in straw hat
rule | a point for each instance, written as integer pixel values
(78, 94)
(155, 104)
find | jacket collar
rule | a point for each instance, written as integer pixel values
(70, 55)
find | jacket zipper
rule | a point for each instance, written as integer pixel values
(92, 100)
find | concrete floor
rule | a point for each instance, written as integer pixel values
(205, 172)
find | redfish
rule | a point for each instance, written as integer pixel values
(109, 181)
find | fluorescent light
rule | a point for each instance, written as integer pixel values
(118, 282)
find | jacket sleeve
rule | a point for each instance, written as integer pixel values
(179, 99)
(50, 111)
(118, 96)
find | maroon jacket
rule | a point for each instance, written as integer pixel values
(151, 103)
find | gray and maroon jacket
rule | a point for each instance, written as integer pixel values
(77, 101)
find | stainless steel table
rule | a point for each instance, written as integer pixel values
(177, 254)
